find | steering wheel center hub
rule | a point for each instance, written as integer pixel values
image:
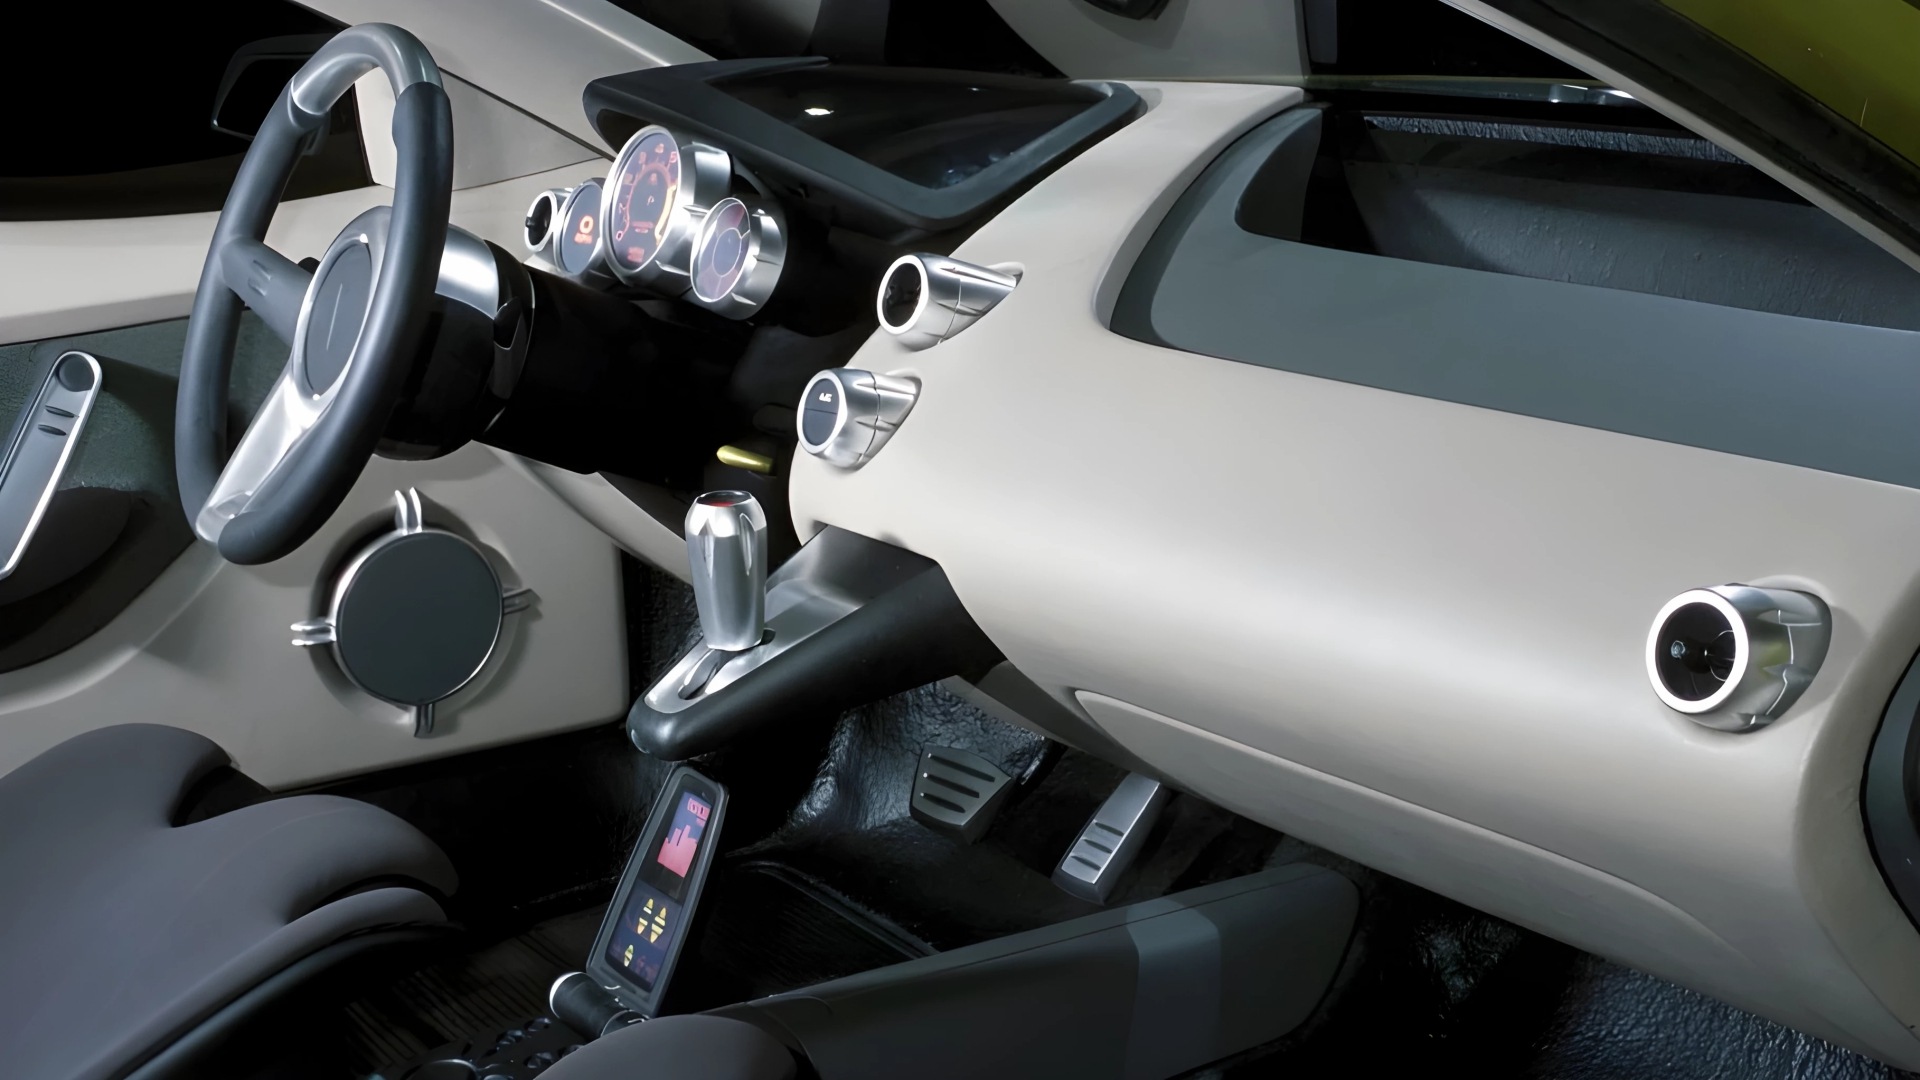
(337, 309)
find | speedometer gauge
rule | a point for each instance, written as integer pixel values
(737, 259)
(644, 189)
(654, 201)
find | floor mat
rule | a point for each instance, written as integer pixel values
(497, 987)
(1433, 987)
(765, 929)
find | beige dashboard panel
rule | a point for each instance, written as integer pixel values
(207, 646)
(1405, 628)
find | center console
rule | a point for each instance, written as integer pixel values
(1157, 988)
(633, 956)
(646, 924)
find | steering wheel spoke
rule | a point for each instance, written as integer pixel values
(273, 285)
(282, 422)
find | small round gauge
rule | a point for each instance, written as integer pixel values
(579, 247)
(737, 259)
(641, 197)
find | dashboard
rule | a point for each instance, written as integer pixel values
(749, 208)
(1408, 624)
(1409, 629)
(723, 167)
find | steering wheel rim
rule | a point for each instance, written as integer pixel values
(308, 443)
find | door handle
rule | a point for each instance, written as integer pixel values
(48, 429)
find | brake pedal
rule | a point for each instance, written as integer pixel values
(958, 793)
(1112, 838)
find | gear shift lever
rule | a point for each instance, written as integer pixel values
(727, 549)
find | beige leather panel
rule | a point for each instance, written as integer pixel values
(1359, 606)
(207, 646)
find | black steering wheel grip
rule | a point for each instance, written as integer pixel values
(308, 444)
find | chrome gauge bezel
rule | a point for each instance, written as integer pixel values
(761, 261)
(555, 201)
(706, 174)
(597, 263)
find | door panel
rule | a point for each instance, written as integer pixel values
(207, 645)
(126, 449)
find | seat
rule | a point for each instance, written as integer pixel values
(126, 936)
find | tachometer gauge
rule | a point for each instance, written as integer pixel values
(654, 201)
(737, 258)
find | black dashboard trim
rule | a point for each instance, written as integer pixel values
(862, 195)
(1887, 793)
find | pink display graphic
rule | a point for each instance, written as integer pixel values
(683, 839)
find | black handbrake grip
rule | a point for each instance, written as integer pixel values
(910, 630)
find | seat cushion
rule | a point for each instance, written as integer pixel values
(680, 1048)
(120, 931)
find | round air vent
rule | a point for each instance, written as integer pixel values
(542, 216)
(1734, 657)
(925, 299)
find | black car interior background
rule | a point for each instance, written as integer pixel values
(822, 873)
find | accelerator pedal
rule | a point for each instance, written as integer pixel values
(958, 793)
(1112, 839)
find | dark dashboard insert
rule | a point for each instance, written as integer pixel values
(1890, 794)
(878, 149)
(1232, 273)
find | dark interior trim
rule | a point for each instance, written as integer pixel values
(1824, 395)
(253, 1028)
(1887, 794)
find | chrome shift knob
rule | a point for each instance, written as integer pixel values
(727, 547)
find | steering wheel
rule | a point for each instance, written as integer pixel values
(354, 325)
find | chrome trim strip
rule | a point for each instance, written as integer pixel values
(50, 427)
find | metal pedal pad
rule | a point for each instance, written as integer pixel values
(958, 793)
(1112, 838)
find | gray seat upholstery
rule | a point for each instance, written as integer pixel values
(696, 1047)
(120, 932)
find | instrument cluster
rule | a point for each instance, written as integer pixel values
(665, 222)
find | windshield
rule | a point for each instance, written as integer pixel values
(1859, 58)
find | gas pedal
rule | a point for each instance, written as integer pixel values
(1112, 839)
